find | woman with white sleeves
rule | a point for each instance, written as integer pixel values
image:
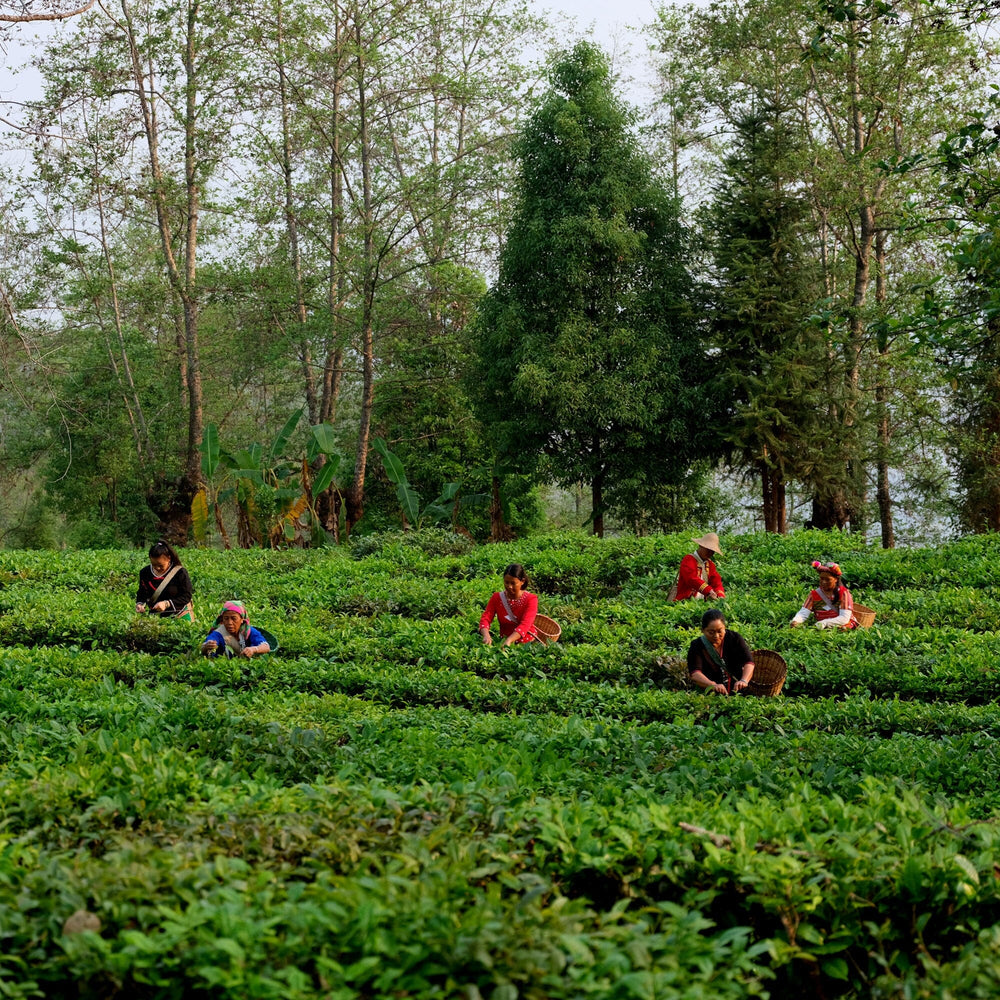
(830, 602)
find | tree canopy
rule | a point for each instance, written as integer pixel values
(588, 348)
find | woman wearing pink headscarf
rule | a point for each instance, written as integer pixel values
(234, 634)
(830, 602)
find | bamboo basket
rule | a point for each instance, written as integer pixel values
(769, 673)
(865, 617)
(547, 629)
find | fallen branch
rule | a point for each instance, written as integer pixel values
(721, 840)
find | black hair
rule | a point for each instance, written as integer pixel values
(162, 548)
(516, 570)
(712, 615)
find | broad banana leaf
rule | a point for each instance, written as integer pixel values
(325, 438)
(281, 441)
(210, 450)
(199, 517)
(326, 474)
(393, 466)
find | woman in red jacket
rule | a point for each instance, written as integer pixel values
(513, 607)
(698, 577)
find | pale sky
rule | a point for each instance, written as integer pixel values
(612, 24)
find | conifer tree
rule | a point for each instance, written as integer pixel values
(772, 359)
(587, 349)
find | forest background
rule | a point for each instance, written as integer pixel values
(281, 274)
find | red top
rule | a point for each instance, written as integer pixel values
(817, 604)
(689, 581)
(525, 608)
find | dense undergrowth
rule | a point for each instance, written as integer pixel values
(386, 808)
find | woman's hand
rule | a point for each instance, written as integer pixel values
(720, 689)
(209, 648)
(248, 651)
(140, 608)
(487, 638)
(161, 605)
(795, 623)
(511, 639)
(740, 685)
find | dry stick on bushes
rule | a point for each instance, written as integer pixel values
(722, 840)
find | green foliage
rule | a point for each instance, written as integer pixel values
(445, 508)
(274, 494)
(432, 541)
(386, 804)
(586, 348)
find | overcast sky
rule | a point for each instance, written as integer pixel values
(612, 24)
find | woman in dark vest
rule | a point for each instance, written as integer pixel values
(164, 585)
(719, 660)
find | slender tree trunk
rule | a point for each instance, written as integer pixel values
(883, 491)
(123, 372)
(192, 192)
(500, 531)
(181, 275)
(333, 362)
(597, 498)
(354, 496)
(292, 225)
(773, 499)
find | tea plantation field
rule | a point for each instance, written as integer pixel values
(385, 808)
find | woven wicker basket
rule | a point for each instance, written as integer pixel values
(547, 629)
(769, 673)
(865, 617)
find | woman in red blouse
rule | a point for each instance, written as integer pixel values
(514, 608)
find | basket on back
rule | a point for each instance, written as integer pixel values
(547, 629)
(769, 673)
(865, 617)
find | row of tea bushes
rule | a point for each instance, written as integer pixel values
(386, 807)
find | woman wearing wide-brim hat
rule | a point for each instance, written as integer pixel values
(697, 576)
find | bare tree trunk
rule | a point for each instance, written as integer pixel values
(772, 483)
(883, 492)
(336, 290)
(354, 495)
(597, 498)
(192, 193)
(292, 225)
(500, 531)
(122, 371)
(181, 276)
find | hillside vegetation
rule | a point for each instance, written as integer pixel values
(387, 808)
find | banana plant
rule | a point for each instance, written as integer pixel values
(272, 492)
(444, 508)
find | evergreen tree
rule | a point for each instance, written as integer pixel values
(772, 358)
(586, 348)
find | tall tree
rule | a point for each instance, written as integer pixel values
(870, 82)
(587, 351)
(138, 102)
(959, 318)
(766, 282)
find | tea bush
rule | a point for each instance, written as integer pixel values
(386, 807)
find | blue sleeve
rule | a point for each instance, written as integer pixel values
(214, 636)
(255, 638)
